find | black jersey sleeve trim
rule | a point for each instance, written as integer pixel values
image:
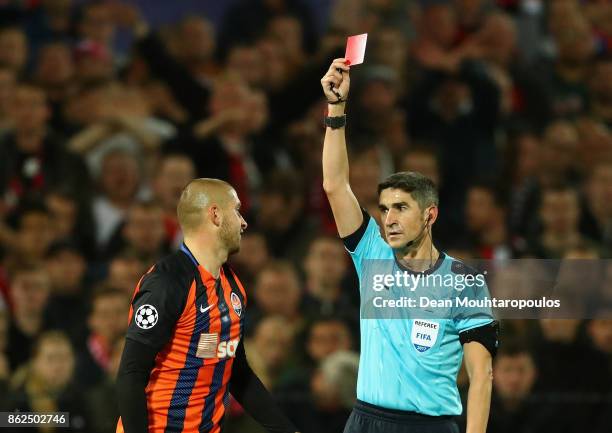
(248, 390)
(135, 368)
(487, 335)
(352, 241)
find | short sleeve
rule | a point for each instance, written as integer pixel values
(361, 242)
(472, 307)
(156, 307)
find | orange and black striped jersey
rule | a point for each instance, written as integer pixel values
(194, 321)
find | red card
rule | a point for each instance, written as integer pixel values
(355, 49)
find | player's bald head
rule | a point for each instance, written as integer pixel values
(197, 197)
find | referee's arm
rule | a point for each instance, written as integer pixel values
(344, 205)
(478, 363)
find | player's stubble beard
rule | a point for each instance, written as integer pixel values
(230, 237)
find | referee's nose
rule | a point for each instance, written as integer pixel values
(243, 223)
(390, 218)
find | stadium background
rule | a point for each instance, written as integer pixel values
(506, 104)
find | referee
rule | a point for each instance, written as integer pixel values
(408, 367)
(183, 353)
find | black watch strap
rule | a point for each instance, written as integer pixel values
(335, 122)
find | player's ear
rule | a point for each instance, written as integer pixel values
(214, 213)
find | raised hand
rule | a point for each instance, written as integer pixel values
(336, 82)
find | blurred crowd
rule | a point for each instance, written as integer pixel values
(505, 104)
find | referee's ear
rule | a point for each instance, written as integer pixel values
(432, 216)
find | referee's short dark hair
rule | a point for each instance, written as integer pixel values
(422, 189)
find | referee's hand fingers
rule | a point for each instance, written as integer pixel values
(337, 75)
(333, 80)
(339, 64)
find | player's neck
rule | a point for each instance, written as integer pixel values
(210, 255)
(419, 257)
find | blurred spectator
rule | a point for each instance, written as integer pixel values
(277, 291)
(333, 390)
(485, 220)
(101, 399)
(33, 235)
(559, 212)
(287, 30)
(375, 100)
(269, 350)
(119, 181)
(595, 143)
(30, 290)
(107, 325)
(514, 407)
(32, 158)
(124, 272)
(225, 136)
(245, 21)
(330, 391)
(46, 383)
(456, 105)
(366, 173)
(13, 49)
(7, 87)
(247, 62)
(55, 73)
(558, 352)
(276, 71)
(93, 63)
(555, 165)
(437, 28)
(389, 47)
(142, 234)
(196, 44)
(67, 306)
(173, 173)
(123, 120)
(252, 257)
(326, 336)
(599, 330)
(95, 23)
(601, 90)
(564, 80)
(325, 266)
(71, 220)
(280, 218)
(598, 219)
(422, 159)
(190, 88)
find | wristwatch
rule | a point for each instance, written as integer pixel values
(335, 122)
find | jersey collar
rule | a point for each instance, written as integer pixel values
(189, 254)
(431, 270)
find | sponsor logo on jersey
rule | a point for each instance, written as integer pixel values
(210, 347)
(424, 334)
